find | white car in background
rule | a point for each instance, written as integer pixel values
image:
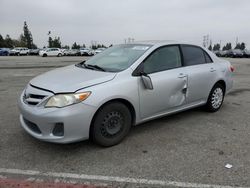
(19, 51)
(86, 51)
(99, 50)
(50, 52)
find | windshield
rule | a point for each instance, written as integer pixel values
(119, 57)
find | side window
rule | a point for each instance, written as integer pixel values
(208, 58)
(193, 55)
(163, 59)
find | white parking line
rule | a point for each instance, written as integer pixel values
(111, 179)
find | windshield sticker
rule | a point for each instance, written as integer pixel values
(140, 47)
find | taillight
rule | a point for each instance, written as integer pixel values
(232, 68)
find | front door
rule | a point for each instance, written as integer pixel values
(169, 79)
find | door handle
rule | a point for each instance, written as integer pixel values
(181, 75)
(212, 70)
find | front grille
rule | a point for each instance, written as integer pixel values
(32, 126)
(33, 96)
(37, 96)
(33, 99)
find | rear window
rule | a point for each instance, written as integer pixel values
(194, 55)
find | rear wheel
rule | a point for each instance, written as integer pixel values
(111, 124)
(44, 55)
(215, 98)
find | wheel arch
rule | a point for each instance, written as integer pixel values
(223, 83)
(127, 103)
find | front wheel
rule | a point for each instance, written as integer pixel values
(59, 55)
(215, 98)
(111, 124)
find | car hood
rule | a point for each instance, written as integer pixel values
(70, 79)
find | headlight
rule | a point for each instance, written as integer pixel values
(62, 100)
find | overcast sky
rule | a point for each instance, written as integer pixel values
(111, 21)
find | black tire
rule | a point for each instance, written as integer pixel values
(111, 124)
(213, 103)
(59, 55)
(44, 55)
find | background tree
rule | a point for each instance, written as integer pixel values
(75, 46)
(8, 42)
(66, 47)
(21, 41)
(228, 46)
(27, 36)
(216, 47)
(57, 42)
(54, 43)
(50, 41)
(237, 46)
(94, 47)
(210, 47)
(2, 41)
(242, 46)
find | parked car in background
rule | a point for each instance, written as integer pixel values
(235, 53)
(99, 50)
(218, 53)
(19, 51)
(74, 52)
(24, 51)
(246, 53)
(64, 51)
(86, 51)
(13, 52)
(224, 53)
(124, 85)
(4, 51)
(50, 52)
(34, 51)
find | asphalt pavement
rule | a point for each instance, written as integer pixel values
(189, 147)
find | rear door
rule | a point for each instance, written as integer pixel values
(201, 73)
(164, 67)
(54, 52)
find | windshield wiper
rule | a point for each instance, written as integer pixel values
(94, 67)
(80, 64)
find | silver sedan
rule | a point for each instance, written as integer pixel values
(124, 85)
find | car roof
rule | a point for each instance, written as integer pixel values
(162, 42)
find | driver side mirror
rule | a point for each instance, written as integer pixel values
(146, 80)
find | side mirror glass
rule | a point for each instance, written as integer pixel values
(147, 82)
